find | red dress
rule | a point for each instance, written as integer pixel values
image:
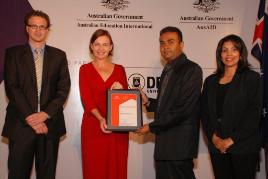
(104, 156)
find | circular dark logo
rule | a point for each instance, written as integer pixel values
(136, 80)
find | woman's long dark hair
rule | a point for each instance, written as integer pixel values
(240, 46)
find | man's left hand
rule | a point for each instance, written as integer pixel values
(37, 118)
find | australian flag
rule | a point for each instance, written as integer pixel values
(260, 52)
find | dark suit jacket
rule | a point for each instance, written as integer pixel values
(176, 121)
(21, 90)
(241, 111)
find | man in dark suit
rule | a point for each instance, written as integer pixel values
(37, 84)
(176, 110)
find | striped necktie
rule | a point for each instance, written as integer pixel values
(38, 60)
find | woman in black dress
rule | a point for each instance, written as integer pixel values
(231, 112)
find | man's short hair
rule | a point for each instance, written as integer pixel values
(36, 13)
(172, 29)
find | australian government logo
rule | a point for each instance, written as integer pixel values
(206, 5)
(115, 5)
(207, 21)
(114, 19)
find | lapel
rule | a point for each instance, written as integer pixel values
(160, 85)
(229, 94)
(174, 76)
(212, 96)
(28, 59)
(46, 60)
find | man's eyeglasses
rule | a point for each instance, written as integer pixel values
(35, 27)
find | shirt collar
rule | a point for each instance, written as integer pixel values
(32, 48)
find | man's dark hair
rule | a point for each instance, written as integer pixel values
(172, 29)
(36, 13)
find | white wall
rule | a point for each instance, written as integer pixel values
(137, 50)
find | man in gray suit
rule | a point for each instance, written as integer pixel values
(176, 110)
(37, 84)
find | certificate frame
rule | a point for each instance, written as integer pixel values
(124, 110)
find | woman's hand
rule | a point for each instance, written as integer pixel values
(222, 144)
(227, 143)
(116, 85)
(217, 141)
(143, 130)
(103, 126)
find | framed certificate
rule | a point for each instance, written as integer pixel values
(124, 112)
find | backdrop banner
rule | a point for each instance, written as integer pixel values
(134, 26)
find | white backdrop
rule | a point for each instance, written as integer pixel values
(135, 30)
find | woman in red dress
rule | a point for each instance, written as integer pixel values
(104, 153)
